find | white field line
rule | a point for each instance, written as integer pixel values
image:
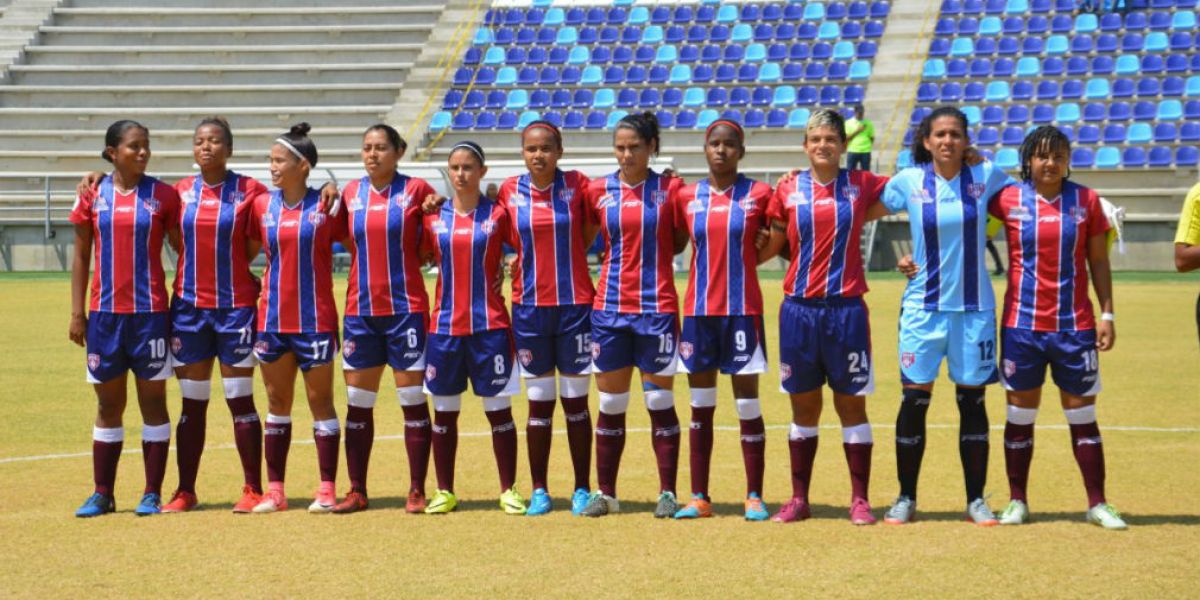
(469, 434)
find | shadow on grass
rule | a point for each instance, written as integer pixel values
(1066, 517)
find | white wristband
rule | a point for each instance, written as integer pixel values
(1106, 317)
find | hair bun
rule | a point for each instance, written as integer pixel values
(300, 129)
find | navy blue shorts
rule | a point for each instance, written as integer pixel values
(128, 342)
(397, 341)
(825, 340)
(553, 337)
(648, 341)
(202, 333)
(484, 358)
(1072, 356)
(311, 349)
(735, 344)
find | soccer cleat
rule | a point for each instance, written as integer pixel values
(860, 512)
(323, 502)
(902, 512)
(150, 504)
(1106, 516)
(416, 502)
(795, 510)
(180, 502)
(512, 503)
(272, 501)
(667, 506)
(539, 503)
(756, 510)
(97, 504)
(698, 508)
(600, 504)
(579, 501)
(979, 513)
(248, 501)
(1016, 513)
(354, 502)
(443, 502)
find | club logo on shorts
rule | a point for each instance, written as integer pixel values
(93, 361)
(430, 372)
(261, 347)
(525, 356)
(685, 349)
(785, 371)
(316, 218)
(595, 350)
(975, 190)
(907, 359)
(176, 345)
(1010, 367)
(348, 348)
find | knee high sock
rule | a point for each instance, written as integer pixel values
(910, 439)
(973, 444)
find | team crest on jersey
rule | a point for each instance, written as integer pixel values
(487, 226)
(237, 197)
(93, 361)
(1010, 367)
(747, 203)
(1078, 213)
(268, 220)
(566, 195)
(403, 200)
(150, 204)
(785, 371)
(518, 200)
(176, 345)
(348, 348)
(316, 218)
(907, 359)
(430, 372)
(851, 192)
(606, 201)
(685, 349)
(439, 227)
(355, 204)
(658, 197)
(796, 199)
(695, 206)
(1019, 213)
(187, 197)
(923, 195)
(975, 190)
(525, 356)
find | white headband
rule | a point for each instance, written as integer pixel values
(291, 148)
(470, 147)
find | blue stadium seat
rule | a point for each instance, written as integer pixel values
(539, 99)
(536, 56)
(666, 119)
(440, 121)
(1103, 65)
(710, 53)
(548, 76)
(725, 73)
(962, 46)
(643, 54)
(830, 95)
(617, 16)
(1007, 158)
(526, 36)
(627, 98)
(770, 73)
(1047, 89)
(1037, 24)
(683, 13)
(1043, 113)
(1067, 113)
(1072, 89)
(483, 37)
(1165, 133)
(990, 26)
(1148, 87)
(764, 32)
(939, 47)
(777, 52)
(588, 35)
(1097, 89)
(1057, 44)
(702, 74)
(1114, 133)
(1082, 158)
(1189, 132)
(1088, 134)
(1052, 66)
(614, 117)
(639, 15)
(1144, 111)
(835, 11)
(761, 96)
(727, 14)
(1119, 111)
(689, 53)
(1133, 157)
(635, 75)
(798, 118)
(806, 31)
(741, 33)
(1086, 23)
(973, 114)
(1013, 26)
(1123, 88)
(1008, 46)
(1028, 66)
(475, 55)
(1173, 86)
(487, 120)
(1094, 112)
(980, 68)
(973, 92)
(838, 71)
(652, 34)
(1160, 20)
(1181, 40)
(918, 114)
(806, 95)
(1132, 42)
(514, 16)
(672, 97)
(1061, 23)
(1022, 90)
(777, 118)
(685, 119)
(852, 30)
(474, 100)
(951, 92)
(814, 71)
(674, 34)
(857, 11)
(579, 55)
(1032, 46)
(604, 98)
(814, 11)
(843, 50)
(1108, 157)
(739, 96)
(993, 115)
(952, 7)
(717, 96)
(452, 99)
(822, 51)
(988, 136)
(1077, 65)
(693, 97)
(528, 117)
(1082, 44)
(1192, 86)
(1170, 110)
(964, 26)
(873, 29)
(880, 9)
(1177, 63)
(860, 70)
(527, 76)
(997, 91)
(1186, 156)
(772, 12)
(1012, 136)
(596, 119)
(1152, 64)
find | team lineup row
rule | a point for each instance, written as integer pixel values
(563, 328)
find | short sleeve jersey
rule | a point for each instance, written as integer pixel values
(213, 271)
(722, 225)
(385, 229)
(127, 233)
(551, 269)
(297, 294)
(1047, 256)
(637, 224)
(948, 222)
(1188, 231)
(468, 249)
(824, 227)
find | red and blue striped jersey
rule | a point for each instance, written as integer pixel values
(468, 250)
(385, 229)
(213, 271)
(551, 268)
(722, 224)
(638, 227)
(1047, 254)
(127, 235)
(297, 294)
(824, 226)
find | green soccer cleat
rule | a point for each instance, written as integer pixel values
(1106, 516)
(443, 502)
(1016, 513)
(512, 502)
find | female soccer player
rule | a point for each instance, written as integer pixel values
(1056, 231)
(722, 310)
(635, 313)
(297, 317)
(948, 309)
(387, 311)
(470, 337)
(1187, 239)
(126, 324)
(824, 329)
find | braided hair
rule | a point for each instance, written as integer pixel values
(1046, 138)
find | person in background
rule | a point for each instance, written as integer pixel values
(1187, 239)
(860, 135)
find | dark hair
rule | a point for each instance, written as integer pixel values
(645, 124)
(547, 125)
(859, 110)
(217, 121)
(471, 147)
(827, 117)
(1044, 138)
(730, 123)
(297, 137)
(920, 154)
(392, 135)
(116, 132)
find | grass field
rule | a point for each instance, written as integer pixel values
(1148, 412)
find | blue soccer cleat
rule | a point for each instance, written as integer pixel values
(579, 501)
(97, 504)
(755, 509)
(539, 503)
(150, 504)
